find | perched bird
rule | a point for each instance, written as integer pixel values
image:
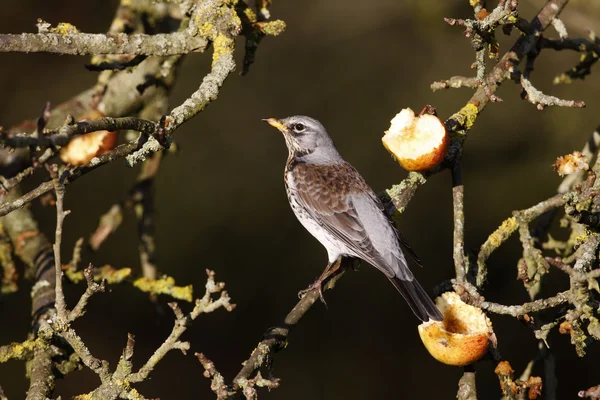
(335, 204)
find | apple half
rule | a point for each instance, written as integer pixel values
(81, 149)
(462, 337)
(418, 142)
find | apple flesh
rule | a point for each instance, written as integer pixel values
(418, 142)
(81, 149)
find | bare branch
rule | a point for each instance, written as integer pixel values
(458, 188)
(536, 97)
(467, 389)
(217, 384)
(59, 189)
(109, 222)
(92, 287)
(455, 82)
(64, 134)
(76, 43)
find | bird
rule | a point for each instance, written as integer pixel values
(336, 205)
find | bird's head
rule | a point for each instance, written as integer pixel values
(306, 138)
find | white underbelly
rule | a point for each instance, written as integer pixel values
(333, 246)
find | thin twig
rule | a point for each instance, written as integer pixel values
(64, 134)
(109, 222)
(92, 287)
(536, 97)
(455, 82)
(59, 189)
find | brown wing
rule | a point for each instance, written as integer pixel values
(326, 193)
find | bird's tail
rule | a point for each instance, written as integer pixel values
(418, 300)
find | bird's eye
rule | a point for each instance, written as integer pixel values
(299, 127)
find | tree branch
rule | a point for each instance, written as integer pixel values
(94, 43)
(458, 188)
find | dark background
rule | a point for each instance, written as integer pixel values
(222, 205)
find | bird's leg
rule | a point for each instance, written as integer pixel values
(329, 271)
(318, 285)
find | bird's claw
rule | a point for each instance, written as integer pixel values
(314, 286)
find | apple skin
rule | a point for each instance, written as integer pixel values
(426, 161)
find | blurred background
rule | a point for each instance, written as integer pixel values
(221, 202)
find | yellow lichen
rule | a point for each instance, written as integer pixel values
(507, 227)
(272, 28)
(112, 275)
(65, 28)
(165, 285)
(222, 45)
(222, 38)
(466, 116)
(582, 238)
(562, 78)
(236, 22)
(207, 29)
(413, 179)
(107, 272)
(250, 15)
(135, 395)
(583, 205)
(21, 351)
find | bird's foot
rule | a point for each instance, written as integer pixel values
(316, 285)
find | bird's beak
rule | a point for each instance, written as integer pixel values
(274, 122)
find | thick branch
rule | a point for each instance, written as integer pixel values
(88, 43)
(467, 390)
(458, 188)
(32, 247)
